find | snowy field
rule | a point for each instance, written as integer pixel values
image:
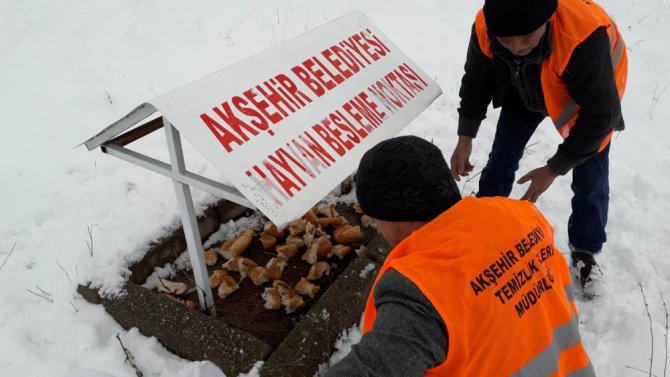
(69, 68)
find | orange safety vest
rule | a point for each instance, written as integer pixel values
(490, 268)
(571, 24)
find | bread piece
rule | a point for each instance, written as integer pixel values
(238, 246)
(317, 270)
(217, 277)
(239, 264)
(297, 227)
(287, 251)
(367, 222)
(275, 267)
(271, 229)
(258, 275)
(347, 234)
(188, 303)
(211, 257)
(172, 287)
(311, 217)
(228, 285)
(290, 299)
(271, 298)
(304, 287)
(269, 241)
(328, 210)
(339, 251)
(298, 241)
(334, 222)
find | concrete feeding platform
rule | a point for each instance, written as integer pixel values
(242, 332)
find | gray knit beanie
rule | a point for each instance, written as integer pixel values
(510, 18)
(405, 179)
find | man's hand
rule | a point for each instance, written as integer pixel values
(460, 159)
(540, 180)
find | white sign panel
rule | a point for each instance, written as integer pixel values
(287, 125)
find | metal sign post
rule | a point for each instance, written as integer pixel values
(114, 144)
(188, 218)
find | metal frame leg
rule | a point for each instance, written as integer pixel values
(188, 218)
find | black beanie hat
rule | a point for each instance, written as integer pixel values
(509, 18)
(405, 179)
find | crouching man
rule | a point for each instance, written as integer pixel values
(472, 287)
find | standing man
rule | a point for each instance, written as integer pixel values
(535, 58)
(472, 287)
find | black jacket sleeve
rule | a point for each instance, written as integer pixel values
(589, 77)
(476, 88)
(408, 337)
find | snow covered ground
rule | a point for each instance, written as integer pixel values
(68, 68)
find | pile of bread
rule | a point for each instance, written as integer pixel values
(321, 235)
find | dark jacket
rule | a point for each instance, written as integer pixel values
(514, 83)
(409, 335)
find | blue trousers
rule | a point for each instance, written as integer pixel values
(590, 180)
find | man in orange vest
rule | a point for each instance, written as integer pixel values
(472, 287)
(535, 58)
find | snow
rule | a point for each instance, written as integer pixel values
(366, 270)
(69, 68)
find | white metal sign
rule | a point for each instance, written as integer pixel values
(287, 125)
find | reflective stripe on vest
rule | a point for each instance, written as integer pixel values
(572, 23)
(491, 270)
(546, 363)
(587, 371)
(569, 293)
(617, 44)
(570, 109)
